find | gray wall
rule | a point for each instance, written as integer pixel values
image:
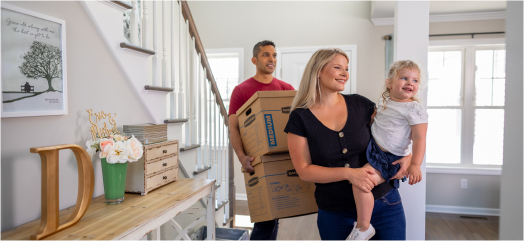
(94, 81)
(511, 188)
(242, 24)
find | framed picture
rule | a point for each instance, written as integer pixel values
(34, 73)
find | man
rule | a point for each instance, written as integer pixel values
(265, 60)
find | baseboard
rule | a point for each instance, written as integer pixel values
(462, 210)
(241, 196)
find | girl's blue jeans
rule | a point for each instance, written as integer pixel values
(388, 219)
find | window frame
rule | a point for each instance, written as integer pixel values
(468, 47)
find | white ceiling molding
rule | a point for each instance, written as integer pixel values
(453, 17)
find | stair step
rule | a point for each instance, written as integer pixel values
(139, 49)
(175, 120)
(187, 148)
(158, 88)
(123, 4)
(200, 170)
(221, 205)
(228, 221)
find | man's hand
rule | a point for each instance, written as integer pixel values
(246, 164)
(404, 164)
(414, 174)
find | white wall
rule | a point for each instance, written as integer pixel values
(94, 81)
(299, 24)
(511, 183)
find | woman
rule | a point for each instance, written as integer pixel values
(329, 132)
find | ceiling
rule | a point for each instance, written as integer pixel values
(386, 9)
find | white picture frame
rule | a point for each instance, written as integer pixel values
(28, 38)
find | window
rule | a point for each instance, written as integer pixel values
(226, 67)
(466, 89)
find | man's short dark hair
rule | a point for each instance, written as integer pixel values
(256, 49)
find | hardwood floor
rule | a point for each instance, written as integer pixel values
(439, 226)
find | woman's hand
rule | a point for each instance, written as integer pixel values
(362, 178)
(404, 164)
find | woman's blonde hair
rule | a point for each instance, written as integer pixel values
(309, 89)
(393, 71)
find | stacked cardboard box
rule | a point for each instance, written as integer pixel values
(274, 190)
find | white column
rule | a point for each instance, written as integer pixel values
(133, 23)
(411, 42)
(156, 58)
(510, 226)
(145, 27)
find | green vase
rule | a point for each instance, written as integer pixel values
(114, 176)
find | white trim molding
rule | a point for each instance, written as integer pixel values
(451, 17)
(462, 210)
(241, 196)
(490, 171)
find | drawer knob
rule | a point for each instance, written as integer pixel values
(165, 151)
(165, 164)
(165, 177)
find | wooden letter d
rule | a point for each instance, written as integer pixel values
(50, 219)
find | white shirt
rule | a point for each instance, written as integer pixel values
(392, 126)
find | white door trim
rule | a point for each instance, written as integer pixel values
(352, 67)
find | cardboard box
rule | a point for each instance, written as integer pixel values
(262, 120)
(275, 190)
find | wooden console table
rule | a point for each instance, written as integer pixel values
(135, 217)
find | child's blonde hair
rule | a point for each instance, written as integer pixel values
(393, 71)
(309, 89)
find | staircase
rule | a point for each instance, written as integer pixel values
(157, 47)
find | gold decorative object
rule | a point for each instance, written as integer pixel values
(86, 184)
(100, 132)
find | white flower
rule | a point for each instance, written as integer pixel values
(90, 150)
(134, 148)
(117, 153)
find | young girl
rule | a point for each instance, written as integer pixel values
(399, 120)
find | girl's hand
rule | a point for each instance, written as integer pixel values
(362, 178)
(404, 164)
(414, 174)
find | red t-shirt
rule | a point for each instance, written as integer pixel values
(246, 89)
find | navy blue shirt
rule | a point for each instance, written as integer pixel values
(329, 148)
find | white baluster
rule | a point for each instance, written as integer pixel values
(133, 23)
(194, 93)
(174, 94)
(219, 158)
(165, 29)
(145, 22)
(182, 76)
(188, 53)
(156, 58)
(206, 122)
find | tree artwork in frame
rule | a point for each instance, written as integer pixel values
(34, 73)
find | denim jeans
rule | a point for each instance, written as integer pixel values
(267, 230)
(388, 219)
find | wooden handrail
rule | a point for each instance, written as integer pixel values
(200, 49)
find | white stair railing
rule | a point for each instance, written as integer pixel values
(180, 62)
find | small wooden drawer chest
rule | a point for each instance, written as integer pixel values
(157, 167)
